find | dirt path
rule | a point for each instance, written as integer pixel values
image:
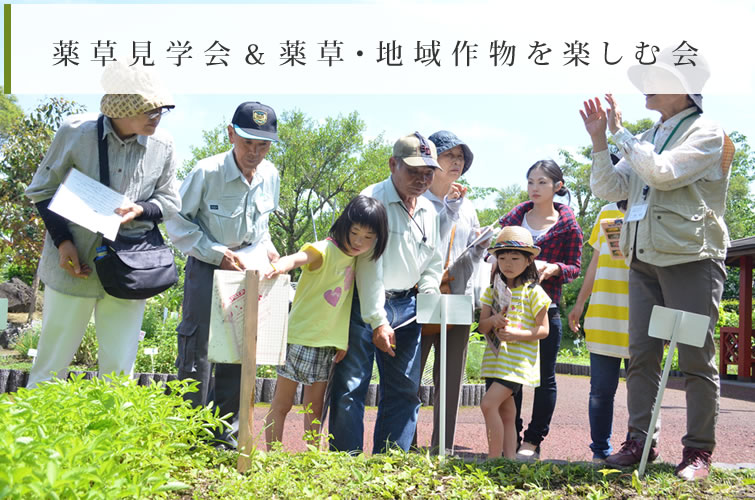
(569, 436)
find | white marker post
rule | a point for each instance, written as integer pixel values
(444, 309)
(151, 351)
(675, 326)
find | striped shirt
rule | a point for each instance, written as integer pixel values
(607, 317)
(517, 361)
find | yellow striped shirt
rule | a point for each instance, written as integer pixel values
(517, 361)
(607, 318)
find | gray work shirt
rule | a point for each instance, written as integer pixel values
(142, 168)
(221, 209)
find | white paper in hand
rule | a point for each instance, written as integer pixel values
(501, 303)
(255, 257)
(88, 203)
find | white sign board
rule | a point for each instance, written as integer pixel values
(458, 309)
(690, 330)
(227, 318)
(3, 313)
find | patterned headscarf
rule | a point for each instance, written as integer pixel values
(130, 91)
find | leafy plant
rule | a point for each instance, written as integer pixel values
(99, 439)
(28, 339)
(86, 354)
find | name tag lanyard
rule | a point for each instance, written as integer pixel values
(646, 189)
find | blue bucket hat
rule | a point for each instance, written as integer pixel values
(445, 140)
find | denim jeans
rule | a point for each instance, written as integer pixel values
(604, 379)
(398, 402)
(545, 395)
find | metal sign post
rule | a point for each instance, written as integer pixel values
(675, 326)
(444, 309)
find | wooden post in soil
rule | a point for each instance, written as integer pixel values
(248, 370)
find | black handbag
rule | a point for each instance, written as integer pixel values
(132, 267)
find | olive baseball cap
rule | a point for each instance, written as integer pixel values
(416, 151)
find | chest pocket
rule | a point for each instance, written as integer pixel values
(226, 207)
(264, 204)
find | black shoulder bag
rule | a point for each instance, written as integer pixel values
(132, 267)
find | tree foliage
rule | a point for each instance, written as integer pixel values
(9, 112)
(740, 204)
(26, 141)
(322, 167)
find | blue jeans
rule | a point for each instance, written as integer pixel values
(398, 402)
(604, 379)
(545, 395)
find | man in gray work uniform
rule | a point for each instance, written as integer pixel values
(227, 200)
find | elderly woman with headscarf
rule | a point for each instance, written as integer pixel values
(142, 167)
(459, 227)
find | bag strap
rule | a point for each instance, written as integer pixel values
(102, 150)
(450, 244)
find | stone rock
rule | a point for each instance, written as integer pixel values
(18, 294)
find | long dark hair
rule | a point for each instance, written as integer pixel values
(554, 173)
(367, 212)
(529, 275)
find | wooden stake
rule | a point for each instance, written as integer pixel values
(248, 371)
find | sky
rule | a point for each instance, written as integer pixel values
(506, 131)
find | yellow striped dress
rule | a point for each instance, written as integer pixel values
(517, 361)
(607, 318)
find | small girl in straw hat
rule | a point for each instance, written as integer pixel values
(519, 327)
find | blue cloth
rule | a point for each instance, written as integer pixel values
(544, 402)
(398, 401)
(604, 379)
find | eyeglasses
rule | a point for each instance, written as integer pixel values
(156, 113)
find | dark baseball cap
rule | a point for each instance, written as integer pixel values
(254, 120)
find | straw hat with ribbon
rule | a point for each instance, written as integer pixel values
(514, 238)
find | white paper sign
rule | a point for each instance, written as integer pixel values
(255, 257)
(690, 328)
(88, 203)
(227, 318)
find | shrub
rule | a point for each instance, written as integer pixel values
(86, 354)
(28, 339)
(99, 439)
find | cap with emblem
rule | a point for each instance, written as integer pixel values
(254, 120)
(416, 151)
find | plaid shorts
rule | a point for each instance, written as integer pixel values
(307, 365)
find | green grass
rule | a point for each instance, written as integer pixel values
(95, 439)
(315, 474)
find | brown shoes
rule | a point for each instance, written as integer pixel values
(631, 454)
(695, 464)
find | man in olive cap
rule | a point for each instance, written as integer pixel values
(385, 298)
(226, 200)
(142, 167)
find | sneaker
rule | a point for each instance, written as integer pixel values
(695, 464)
(597, 459)
(528, 452)
(631, 454)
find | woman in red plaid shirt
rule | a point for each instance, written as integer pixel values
(555, 230)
